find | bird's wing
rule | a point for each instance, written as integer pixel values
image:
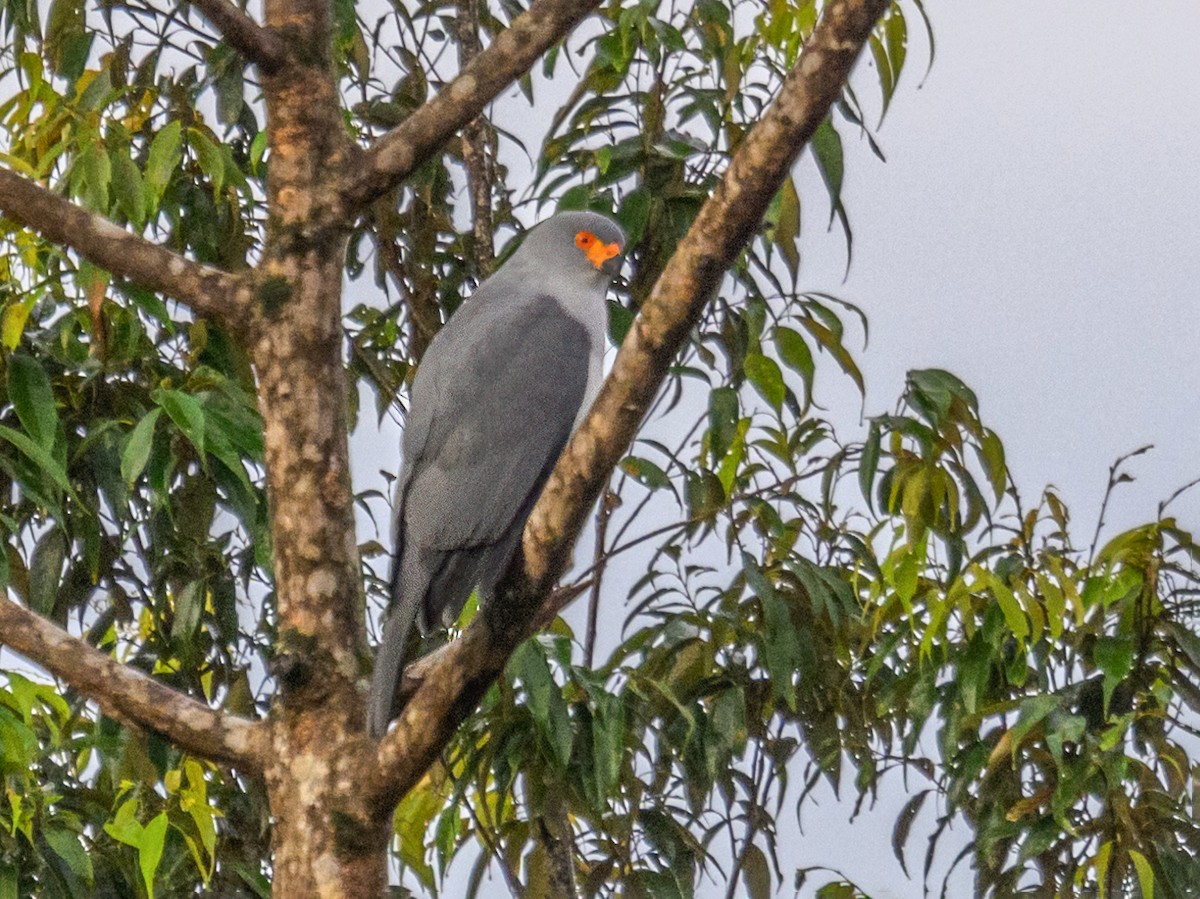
(493, 405)
(497, 411)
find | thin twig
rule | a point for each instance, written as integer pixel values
(599, 559)
(1113, 480)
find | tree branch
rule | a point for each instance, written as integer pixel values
(132, 697)
(510, 55)
(205, 290)
(259, 45)
(476, 160)
(457, 678)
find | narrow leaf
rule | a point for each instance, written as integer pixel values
(33, 398)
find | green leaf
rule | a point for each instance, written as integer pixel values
(645, 472)
(1034, 709)
(794, 353)
(608, 741)
(97, 176)
(8, 881)
(722, 421)
(991, 451)
(45, 571)
(18, 747)
(66, 845)
(164, 156)
(137, 447)
(150, 849)
(129, 188)
(210, 156)
(1187, 640)
(187, 413)
(33, 398)
(903, 826)
(827, 150)
(787, 226)
(189, 605)
(16, 314)
(620, 319)
(1114, 656)
(868, 463)
(783, 651)
(230, 87)
(767, 379)
(756, 872)
(1014, 615)
(545, 699)
(1145, 873)
(832, 344)
(727, 471)
(936, 390)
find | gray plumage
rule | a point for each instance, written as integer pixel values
(497, 395)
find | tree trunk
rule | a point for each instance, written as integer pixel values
(325, 843)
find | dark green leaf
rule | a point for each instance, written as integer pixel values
(868, 464)
(186, 412)
(137, 447)
(32, 397)
(757, 873)
(129, 189)
(545, 700)
(1114, 656)
(795, 354)
(66, 845)
(904, 823)
(723, 419)
(645, 472)
(767, 379)
(45, 571)
(620, 319)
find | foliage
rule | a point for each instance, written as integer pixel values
(821, 610)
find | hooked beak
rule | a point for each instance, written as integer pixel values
(612, 265)
(605, 255)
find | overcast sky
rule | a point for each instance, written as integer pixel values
(1036, 230)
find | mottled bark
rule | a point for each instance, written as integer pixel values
(456, 679)
(554, 832)
(258, 45)
(131, 697)
(324, 845)
(477, 153)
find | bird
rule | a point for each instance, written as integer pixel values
(499, 391)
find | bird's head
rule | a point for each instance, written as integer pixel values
(578, 245)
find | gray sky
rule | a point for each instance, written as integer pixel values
(1036, 230)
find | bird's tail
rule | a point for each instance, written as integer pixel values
(389, 666)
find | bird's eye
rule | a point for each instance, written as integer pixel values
(584, 239)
